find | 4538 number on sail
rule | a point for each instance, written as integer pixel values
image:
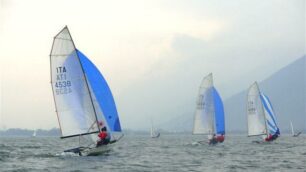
(62, 85)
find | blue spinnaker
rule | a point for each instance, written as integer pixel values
(102, 93)
(271, 120)
(219, 112)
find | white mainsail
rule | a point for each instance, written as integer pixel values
(73, 101)
(34, 133)
(292, 130)
(204, 115)
(255, 112)
(153, 133)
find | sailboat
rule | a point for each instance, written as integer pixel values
(34, 133)
(292, 131)
(82, 97)
(153, 133)
(260, 114)
(209, 115)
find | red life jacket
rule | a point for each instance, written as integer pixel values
(269, 138)
(102, 135)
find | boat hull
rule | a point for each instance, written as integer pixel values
(155, 136)
(96, 151)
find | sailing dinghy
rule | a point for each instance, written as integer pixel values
(209, 116)
(153, 133)
(34, 133)
(292, 131)
(261, 116)
(82, 97)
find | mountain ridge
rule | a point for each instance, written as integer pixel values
(286, 89)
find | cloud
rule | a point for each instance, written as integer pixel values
(152, 53)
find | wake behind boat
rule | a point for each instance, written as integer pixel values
(261, 117)
(209, 116)
(84, 103)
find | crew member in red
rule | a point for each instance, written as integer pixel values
(269, 138)
(212, 139)
(104, 137)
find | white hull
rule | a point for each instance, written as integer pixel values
(95, 151)
(155, 135)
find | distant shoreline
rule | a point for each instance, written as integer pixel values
(55, 132)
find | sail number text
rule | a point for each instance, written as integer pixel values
(200, 102)
(251, 107)
(62, 85)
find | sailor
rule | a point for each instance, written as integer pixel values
(269, 138)
(104, 136)
(275, 136)
(212, 139)
(108, 135)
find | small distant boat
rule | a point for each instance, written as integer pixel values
(82, 97)
(209, 116)
(260, 114)
(292, 131)
(34, 133)
(153, 133)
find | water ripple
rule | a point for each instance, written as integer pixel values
(168, 153)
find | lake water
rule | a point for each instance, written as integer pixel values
(168, 153)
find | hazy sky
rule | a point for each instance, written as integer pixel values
(153, 54)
